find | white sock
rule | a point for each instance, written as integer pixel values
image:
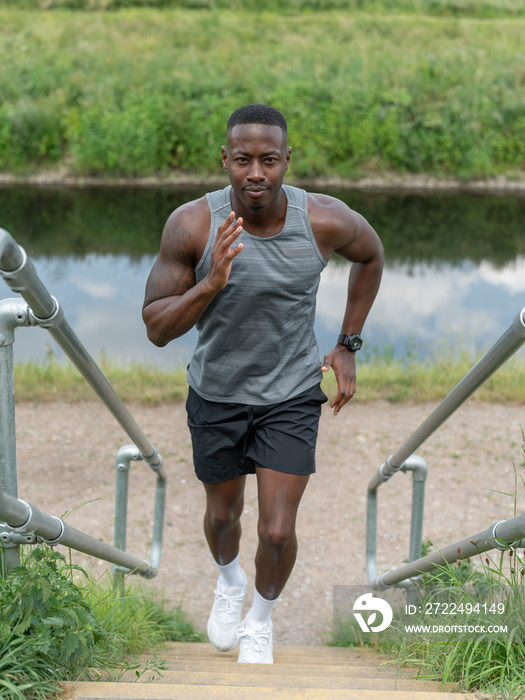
(232, 576)
(261, 609)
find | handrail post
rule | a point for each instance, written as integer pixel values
(11, 555)
(125, 456)
(123, 465)
(13, 313)
(419, 469)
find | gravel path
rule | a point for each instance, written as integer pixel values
(66, 455)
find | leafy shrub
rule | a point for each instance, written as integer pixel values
(40, 601)
(29, 132)
(53, 629)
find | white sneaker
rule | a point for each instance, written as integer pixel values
(225, 617)
(256, 643)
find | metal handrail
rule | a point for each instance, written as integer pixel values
(44, 310)
(27, 525)
(19, 273)
(501, 535)
(499, 353)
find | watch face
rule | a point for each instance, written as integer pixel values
(353, 342)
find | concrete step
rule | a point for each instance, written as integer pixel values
(311, 680)
(285, 654)
(137, 691)
(321, 670)
(199, 672)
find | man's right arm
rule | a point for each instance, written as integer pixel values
(174, 302)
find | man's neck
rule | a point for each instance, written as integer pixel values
(262, 221)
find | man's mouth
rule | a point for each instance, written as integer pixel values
(255, 190)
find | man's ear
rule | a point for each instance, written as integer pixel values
(224, 158)
(288, 154)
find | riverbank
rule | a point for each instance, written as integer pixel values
(380, 182)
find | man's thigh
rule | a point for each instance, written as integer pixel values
(279, 495)
(219, 435)
(284, 436)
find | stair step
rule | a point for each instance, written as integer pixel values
(149, 691)
(312, 680)
(200, 672)
(321, 670)
(283, 654)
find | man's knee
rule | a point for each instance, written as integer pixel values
(276, 535)
(224, 505)
(222, 519)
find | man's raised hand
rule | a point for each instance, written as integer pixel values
(222, 254)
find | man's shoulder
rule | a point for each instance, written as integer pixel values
(326, 204)
(191, 215)
(194, 207)
(329, 216)
(188, 225)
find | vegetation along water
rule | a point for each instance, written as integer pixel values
(431, 87)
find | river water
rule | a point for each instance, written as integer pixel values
(454, 277)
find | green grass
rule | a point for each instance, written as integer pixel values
(59, 624)
(147, 91)
(52, 380)
(379, 377)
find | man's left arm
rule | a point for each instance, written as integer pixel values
(361, 246)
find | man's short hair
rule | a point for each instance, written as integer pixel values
(257, 114)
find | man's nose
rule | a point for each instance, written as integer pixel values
(256, 172)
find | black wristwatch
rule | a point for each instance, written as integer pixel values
(351, 342)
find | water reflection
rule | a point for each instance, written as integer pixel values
(455, 269)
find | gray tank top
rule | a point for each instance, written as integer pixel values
(256, 339)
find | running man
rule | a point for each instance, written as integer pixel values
(243, 264)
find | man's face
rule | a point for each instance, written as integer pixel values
(256, 159)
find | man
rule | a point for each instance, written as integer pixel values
(243, 265)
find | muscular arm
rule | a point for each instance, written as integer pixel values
(364, 250)
(174, 302)
(341, 230)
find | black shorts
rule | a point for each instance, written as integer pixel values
(231, 440)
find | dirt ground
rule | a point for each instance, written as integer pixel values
(66, 455)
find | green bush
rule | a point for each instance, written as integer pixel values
(129, 140)
(145, 91)
(29, 133)
(45, 620)
(57, 624)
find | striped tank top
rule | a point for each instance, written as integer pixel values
(256, 340)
